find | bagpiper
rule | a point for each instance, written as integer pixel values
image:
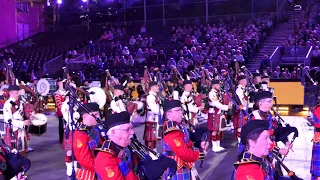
(14, 117)
(188, 104)
(176, 142)
(84, 143)
(115, 161)
(117, 104)
(152, 118)
(216, 116)
(239, 118)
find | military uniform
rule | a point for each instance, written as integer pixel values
(59, 97)
(115, 162)
(315, 163)
(13, 110)
(216, 118)
(178, 146)
(189, 107)
(239, 118)
(117, 104)
(152, 118)
(84, 144)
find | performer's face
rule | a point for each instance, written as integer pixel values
(14, 94)
(122, 134)
(89, 119)
(175, 114)
(257, 80)
(216, 86)
(188, 87)
(266, 104)
(243, 82)
(261, 146)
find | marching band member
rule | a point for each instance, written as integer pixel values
(239, 118)
(187, 100)
(315, 167)
(117, 105)
(69, 125)
(115, 161)
(216, 115)
(59, 97)
(252, 163)
(14, 114)
(152, 119)
(257, 80)
(264, 102)
(84, 144)
(177, 143)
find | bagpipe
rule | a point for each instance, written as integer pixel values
(152, 164)
(291, 174)
(14, 164)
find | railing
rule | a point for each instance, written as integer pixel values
(52, 65)
(307, 61)
(290, 56)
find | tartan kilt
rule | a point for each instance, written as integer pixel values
(7, 139)
(181, 174)
(150, 131)
(315, 160)
(67, 142)
(213, 122)
(237, 121)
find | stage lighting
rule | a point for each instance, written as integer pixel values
(59, 1)
(84, 0)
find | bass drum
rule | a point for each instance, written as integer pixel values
(46, 86)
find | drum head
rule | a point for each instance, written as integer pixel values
(43, 87)
(39, 119)
(98, 96)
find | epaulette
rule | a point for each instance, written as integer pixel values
(246, 161)
(106, 147)
(170, 126)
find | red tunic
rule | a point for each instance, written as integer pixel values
(59, 100)
(250, 171)
(185, 156)
(106, 166)
(84, 155)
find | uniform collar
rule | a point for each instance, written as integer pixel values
(152, 93)
(250, 156)
(186, 93)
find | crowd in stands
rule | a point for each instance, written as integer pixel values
(213, 46)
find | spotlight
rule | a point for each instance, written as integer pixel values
(59, 1)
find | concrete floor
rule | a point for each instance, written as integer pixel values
(48, 157)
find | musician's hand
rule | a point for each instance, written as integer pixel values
(204, 145)
(1, 93)
(31, 117)
(27, 122)
(289, 145)
(201, 108)
(284, 151)
(21, 177)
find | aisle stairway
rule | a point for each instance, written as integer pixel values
(277, 37)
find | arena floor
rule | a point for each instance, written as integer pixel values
(48, 158)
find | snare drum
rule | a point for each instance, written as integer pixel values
(46, 86)
(39, 124)
(140, 110)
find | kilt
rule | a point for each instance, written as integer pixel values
(237, 121)
(181, 174)
(150, 131)
(67, 142)
(18, 144)
(315, 160)
(213, 122)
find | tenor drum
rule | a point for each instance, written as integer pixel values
(46, 86)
